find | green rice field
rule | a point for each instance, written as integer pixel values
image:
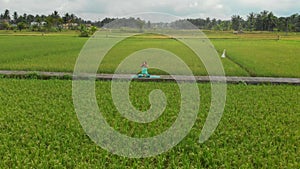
(40, 129)
(247, 55)
(260, 126)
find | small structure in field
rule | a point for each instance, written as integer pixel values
(224, 54)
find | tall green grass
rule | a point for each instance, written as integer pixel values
(264, 57)
(39, 128)
(45, 53)
(128, 46)
(251, 54)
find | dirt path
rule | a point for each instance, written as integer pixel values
(199, 79)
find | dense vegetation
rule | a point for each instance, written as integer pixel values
(39, 128)
(52, 22)
(263, 21)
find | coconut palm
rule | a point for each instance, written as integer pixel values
(6, 15)
(251, 20)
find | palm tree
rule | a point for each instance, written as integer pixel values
(207, 23)
(66, 18)
(55, 15)
(6, 15)
(25, 18)
(73, 18)
(297, 25)
(251, 20)
(294, 20)
(287, 20)
(236, 22)
(264, 15)
(15, 16)
(271, 21)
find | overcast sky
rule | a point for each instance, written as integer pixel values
(98, 9)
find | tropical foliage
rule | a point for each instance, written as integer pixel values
(263, 21)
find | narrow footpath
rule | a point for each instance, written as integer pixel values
(199, 79)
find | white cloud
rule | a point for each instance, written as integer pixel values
(96, 9)
(274, 4)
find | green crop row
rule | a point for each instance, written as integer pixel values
(247, 55)
(263, 57)
(39, 127)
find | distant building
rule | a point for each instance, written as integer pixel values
(34, 24)
(38, 23)
(238, 32)
(70, 25)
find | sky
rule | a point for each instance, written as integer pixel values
(99, 9)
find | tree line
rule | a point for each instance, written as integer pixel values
(263, 21)
(52, 22)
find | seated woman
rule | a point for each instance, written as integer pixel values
(144, 73)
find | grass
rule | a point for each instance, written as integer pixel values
(249, 54)
(46, 53)
(31, 33)
(131, 45)
(263, 57)
(261, 35)
(259, 129)
(39, 128)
